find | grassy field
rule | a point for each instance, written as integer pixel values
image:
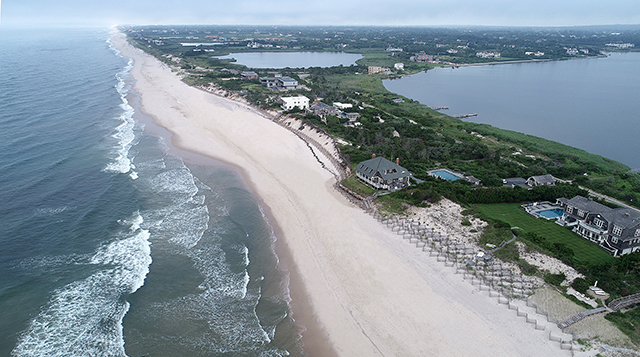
(547, 146)
(512, 213)
(358, 82)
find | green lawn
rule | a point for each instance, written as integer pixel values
(354, 184)
(512, 213)
(358, 82)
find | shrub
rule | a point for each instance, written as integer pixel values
(554, 279)
(580, 285)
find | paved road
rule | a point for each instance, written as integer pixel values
(608, 199)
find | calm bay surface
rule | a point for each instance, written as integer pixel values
(591, 104)
(294, 59)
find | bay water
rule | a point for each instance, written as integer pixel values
(293, 59)
(592, 104)
(111, 243)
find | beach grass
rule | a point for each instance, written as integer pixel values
(546, 146)
(512, 214)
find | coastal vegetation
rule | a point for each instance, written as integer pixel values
(422, 138)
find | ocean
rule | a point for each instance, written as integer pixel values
(591, 104)
(112, 243)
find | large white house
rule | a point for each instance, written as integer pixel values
(300, 101)
(342, 106)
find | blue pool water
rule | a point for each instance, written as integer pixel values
(446, 175)
(552, 213)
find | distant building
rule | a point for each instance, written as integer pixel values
(399, 66)
(269, 82)
(392, 49)
(322, 110)
(620, 45)
(544, 180)
(342, 106)
(516, 181)
(383, 174)
(421, 57)
(352, 123)
(289, 103)
(280, 83)
(287, 83)
(488, 54)
(248, 75)
(616, 230)
(572, 51)
(378, 69)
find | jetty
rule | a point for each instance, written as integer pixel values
(438, 108)
(462, 116)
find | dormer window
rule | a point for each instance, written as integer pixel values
(637, 234)
(617, 231)
(581, 213)
(598, 222)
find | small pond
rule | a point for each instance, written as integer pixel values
(294, 59)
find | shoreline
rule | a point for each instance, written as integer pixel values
(311, 331)
(372, 293)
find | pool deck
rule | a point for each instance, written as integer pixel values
(448, 171)
(536, 207)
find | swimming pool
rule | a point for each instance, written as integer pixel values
(551, 213)
(445, 175)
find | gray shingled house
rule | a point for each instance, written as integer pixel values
(383, 174)
(543, 180)
(616, 230)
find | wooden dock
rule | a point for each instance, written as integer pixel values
(462, 116)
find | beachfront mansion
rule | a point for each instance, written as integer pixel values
(383, 174)
(616, 230)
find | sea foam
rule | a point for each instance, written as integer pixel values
(85, 317)
(124, 134)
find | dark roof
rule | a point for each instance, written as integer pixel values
(623, 217)
(286, 79)
(586, 204)
(388, 170)
(321, 106)
(543, 179)
(515, 181)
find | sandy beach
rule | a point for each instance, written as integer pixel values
(366, 291)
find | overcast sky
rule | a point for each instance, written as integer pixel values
(323, 12)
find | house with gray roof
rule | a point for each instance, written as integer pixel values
(280, 83)
(249, 75)
(287, 83)
(322, 110)
(543, 180)
(515, 181)
(383, 174)
(616, 230)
